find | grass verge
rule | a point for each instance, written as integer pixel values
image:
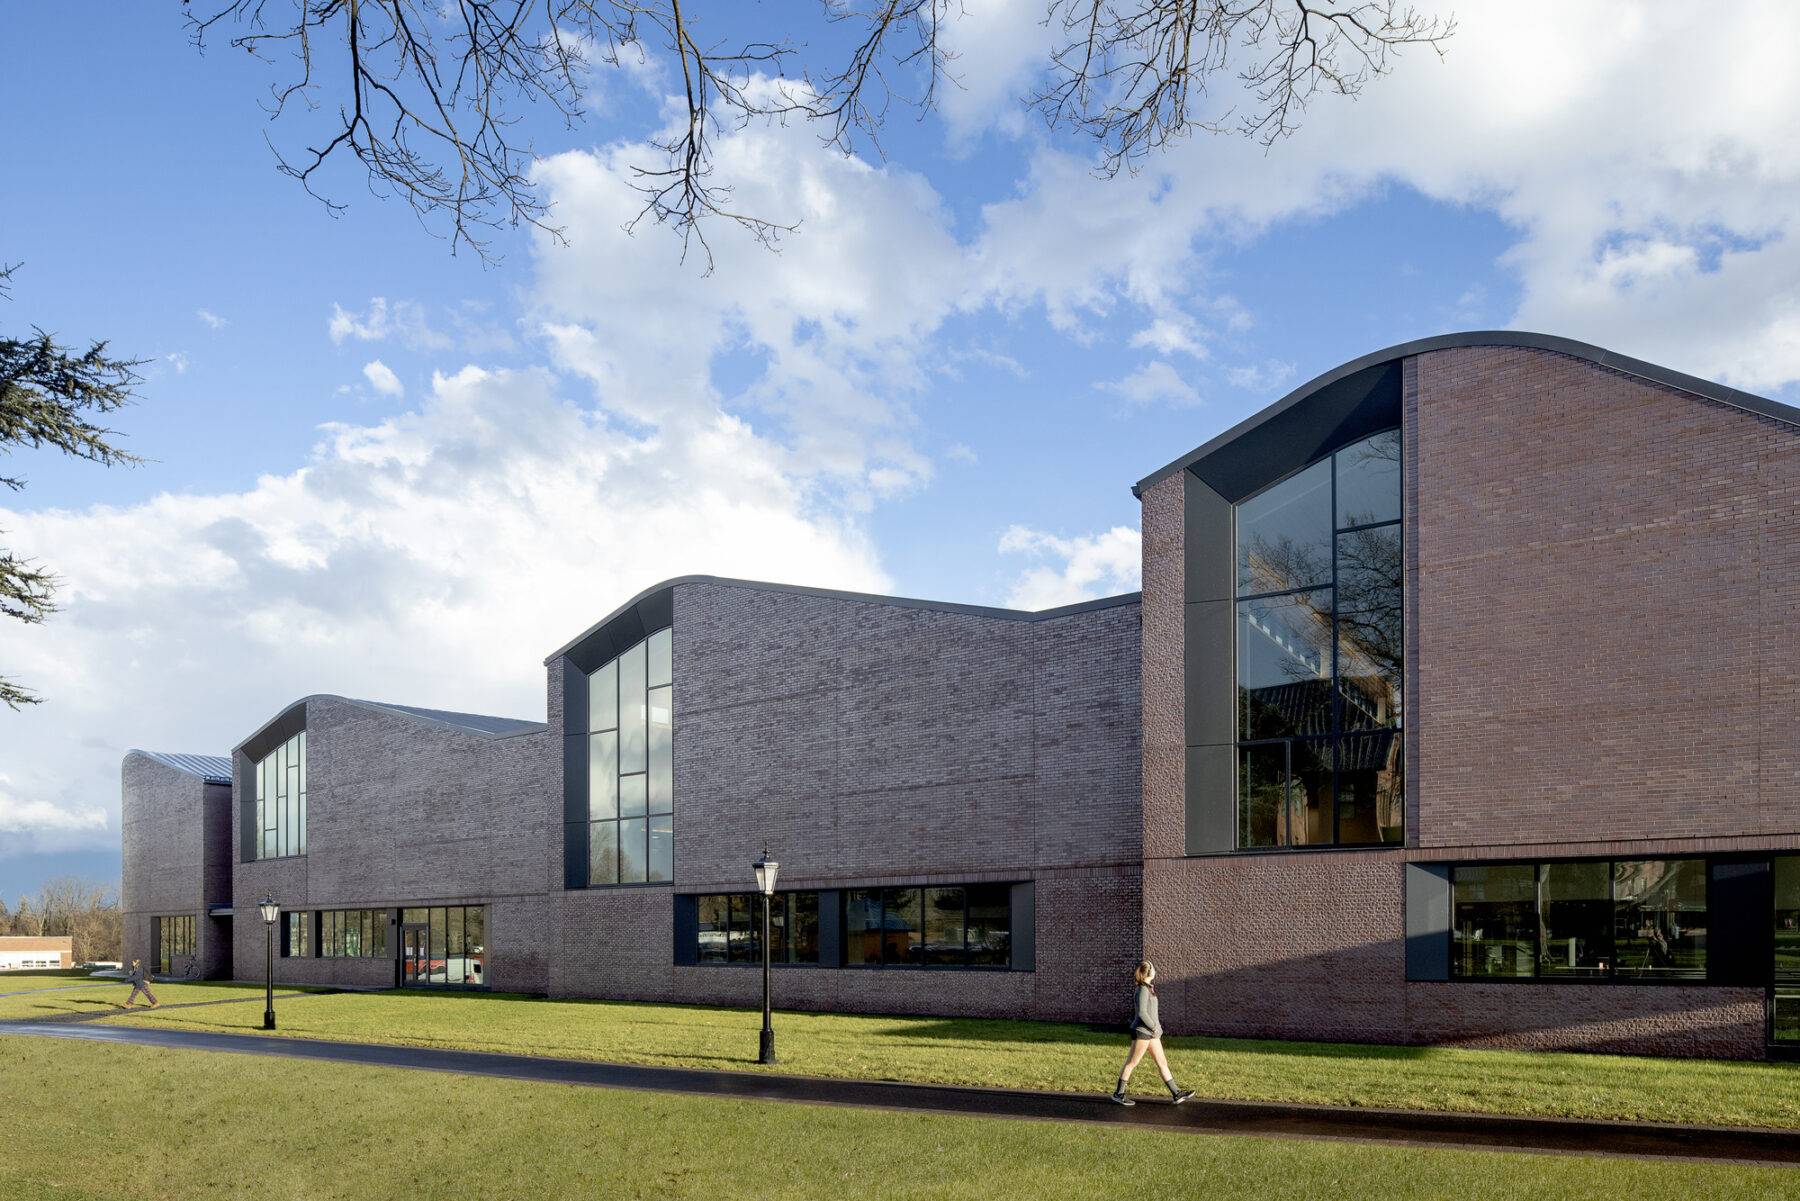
(89, 1121)
(54, 995)
(1039, 1055)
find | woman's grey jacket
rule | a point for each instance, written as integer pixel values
(1143, 1022)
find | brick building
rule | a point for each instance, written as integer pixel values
(20, 953)
(1459, 706)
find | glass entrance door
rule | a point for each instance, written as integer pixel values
(415, 956)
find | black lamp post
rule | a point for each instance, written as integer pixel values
(765, 884)
(270, 911)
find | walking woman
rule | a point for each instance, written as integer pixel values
(1146, 1035)
(138, 985)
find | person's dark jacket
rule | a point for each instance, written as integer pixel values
(1144, 1023)
(137, 978)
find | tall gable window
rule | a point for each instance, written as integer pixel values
(631, 766)
(1320, 650)
(281, 800)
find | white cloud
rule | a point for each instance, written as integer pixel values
(961, 453)
(177, 359)
(1270, 376)
(1091, 566)
(381, 377)
(403, 320)
(1169, 334)
(434, 558)
(1154, 383)
(31, 817)
(212, 319)
(1649, 218)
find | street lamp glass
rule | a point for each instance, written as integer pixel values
(765, 875)
(270, 910)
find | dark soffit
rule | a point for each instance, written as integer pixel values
(1625, 365)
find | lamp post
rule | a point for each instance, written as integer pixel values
(765, 884)
(270, 911)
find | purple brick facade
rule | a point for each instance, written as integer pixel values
(1601, 645)
(176, 863)
(1602, 649)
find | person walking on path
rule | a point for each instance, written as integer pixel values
(1146, 1035)
(138, 985)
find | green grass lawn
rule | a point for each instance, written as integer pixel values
(1037, 1055)
(54, 994)
(85, 1122)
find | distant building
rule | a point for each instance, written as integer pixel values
(21, 954)
(1461, 704)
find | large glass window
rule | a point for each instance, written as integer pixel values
(296, 941)
(939, 926)
(631, 766)
(730, 928)
(443, 945)
(175, 938)
(1787, 950)
(353, 934)
(1627, 919)
(1320, 650)
(281, 800)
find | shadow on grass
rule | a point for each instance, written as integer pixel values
(975, 1030)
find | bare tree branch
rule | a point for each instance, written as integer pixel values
(426, 95)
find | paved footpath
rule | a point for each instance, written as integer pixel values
(1564, 1136)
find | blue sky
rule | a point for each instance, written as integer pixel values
(379, 470)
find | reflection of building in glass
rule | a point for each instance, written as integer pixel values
(1459, 706)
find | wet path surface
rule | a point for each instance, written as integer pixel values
(1561, 1136)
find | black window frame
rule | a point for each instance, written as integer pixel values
(924, 964)
(1612, 976)
(753, 931)
(1338, 736)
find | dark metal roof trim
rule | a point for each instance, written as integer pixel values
(872, 598)
(479, 724)
(1599, 356)
(214, 769)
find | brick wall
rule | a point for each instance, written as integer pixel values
(1608, 613)
(405, 812)
(169, 829)
(866, 743)
(1602, 633)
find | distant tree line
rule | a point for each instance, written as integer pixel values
(68, 906)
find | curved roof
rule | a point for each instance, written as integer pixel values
(214, 769)
(873, 598)
(481, 724)
(1599, 356)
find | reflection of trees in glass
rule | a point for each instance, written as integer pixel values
(1370, 624)
(1281, 563)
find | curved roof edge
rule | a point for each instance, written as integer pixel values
(214, 769)
(899, 602)
(479, 724)
(1599, 356)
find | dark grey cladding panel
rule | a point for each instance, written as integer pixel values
(290, 723)
(1427, 921)
(575, 700)
(244, 782)
(1206, 536)
(687, 930)
(831, 928)
(1024, 927)
(575, 854)
(1211, 799)
(631, 625)
(1337, 414)
(575, 778)
(1740, 935)
(1211, 676)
